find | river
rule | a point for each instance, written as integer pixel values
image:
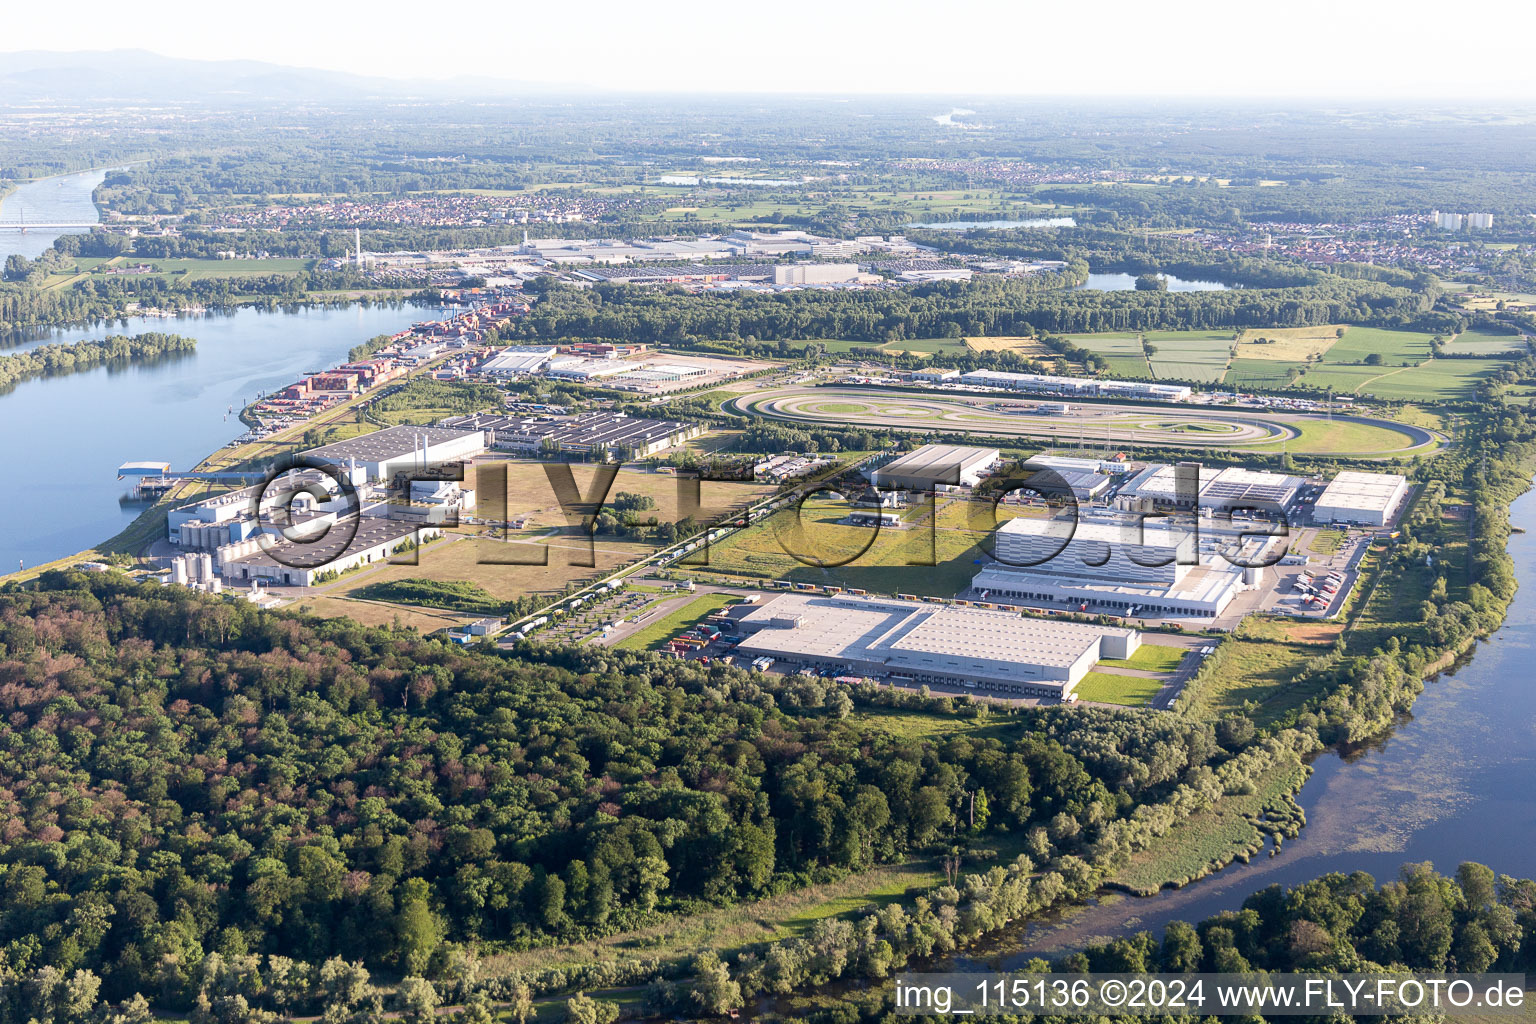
(66, 197)
(67, 435)
(1450, 783)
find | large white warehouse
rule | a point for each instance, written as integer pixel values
(1367, 499)
(995, 651)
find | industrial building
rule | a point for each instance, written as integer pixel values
(936, 465)
(816, 273)
(392, 450)
(289, 563)
(1366, 499)
(1121, 567)
(587, 369)
(1248, 488)
(581, 434)
(1151, 552)
(995, 651)
(1160, 484)
(516, 360)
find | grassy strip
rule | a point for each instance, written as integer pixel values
(663, 629)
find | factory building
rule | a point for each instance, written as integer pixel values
(587, 369)
(1150, 553)
(1247, 488)
(936, 465)
(1162, 484)
(816, 273)
(1366, 499)
(581, 434)
(292, 564)
(517, 360)
(387, 452)
(988, 650)
(1121, 568)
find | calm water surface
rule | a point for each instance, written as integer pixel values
(66, 198)
(66, 436)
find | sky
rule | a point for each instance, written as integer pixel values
(1340, 49)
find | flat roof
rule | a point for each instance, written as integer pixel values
(1235, 484)
(389, 443)
(907, 636)
(338, 541)
(1374, 492)
(933, 459)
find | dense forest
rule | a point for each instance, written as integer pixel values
(984, 306)
(182, 775)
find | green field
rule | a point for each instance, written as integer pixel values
(1109, 344)
(1439, 379)
(1151, 657)
(1259, 373)
(1190, 355)
(1486, 343)
(877, 561)
(1112, 688)
(1397, 348)
(663, 629)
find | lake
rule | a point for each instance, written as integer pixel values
(66, 197)
(67, 435)
(1450, 783)
(1127, 282)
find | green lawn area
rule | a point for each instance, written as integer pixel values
(1150, 657)
(1326, 542)
(1397, 348)
(1112, 688)
(663, 629)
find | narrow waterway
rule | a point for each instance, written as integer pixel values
(67, 435)
(1450, 783)
(66, 198)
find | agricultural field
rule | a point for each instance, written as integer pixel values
(1287, 344)
(1028, 347)
(483, 562)
(1396, 348)
(1189, 355)
(1123, 352)
(1486, 343)
(1259, 373)
(1439, 379)
(86, 268)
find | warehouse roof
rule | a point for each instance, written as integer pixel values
(903, 636)
(938, 462)
(1374, 492)
(389, 443)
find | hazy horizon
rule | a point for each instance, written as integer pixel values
(1316, 51)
